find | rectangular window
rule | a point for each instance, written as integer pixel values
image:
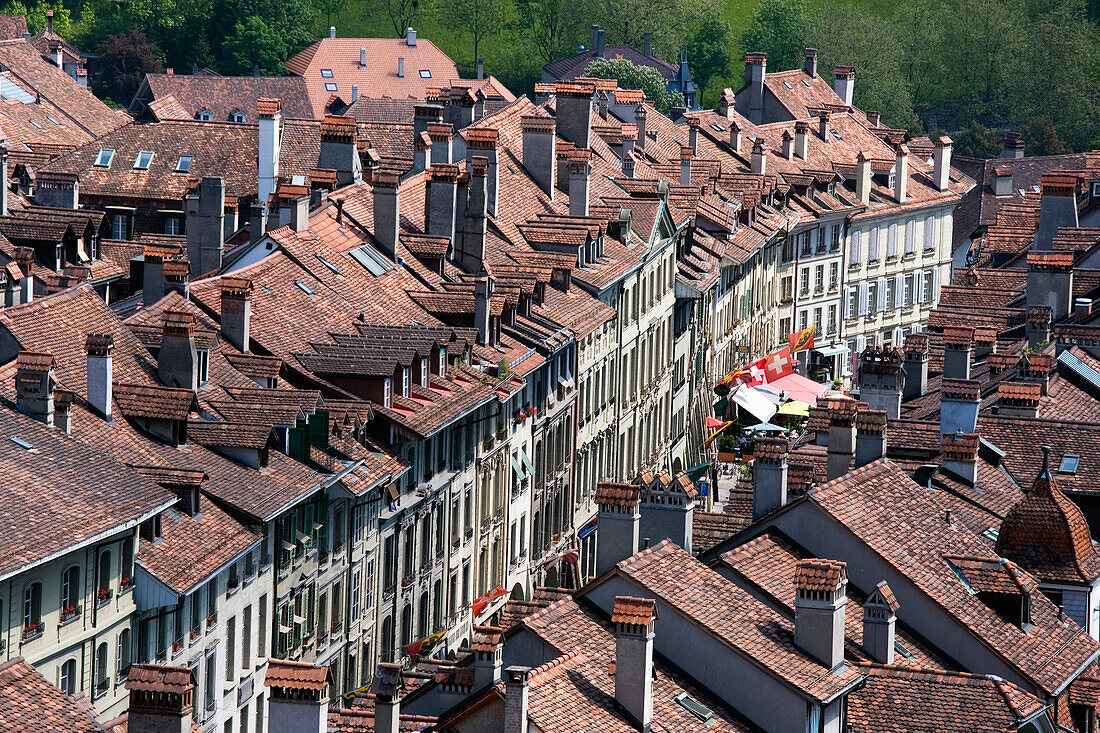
(211, 681)
(246, 638)
(103, 160)
(326, 73)
(330, 86)
(425, 73)
(261, 628)
(908, 290)
(804, 243)
(853, 248)
(872, 246)
(143, 160)
(928, 291)
(834, 238)
(356, 593)
(368, 584)
(387, 393)
(853, 303)
(872, 296)
(230, 649)
(819, 279)
(183, 165)
(834, 275)
(802, 318)
(831, 325)
(118, 226)
(820, 235)
(817, 320)
(889, 301)
(804, 281)
(171, 225)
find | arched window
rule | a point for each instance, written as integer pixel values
(406, 626)
(102, 679)
(70, 592)
(124, 652)
(127, 569)
(387, 639)
(66, 679)
(32, 609)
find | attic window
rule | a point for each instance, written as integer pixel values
(237, 117)
(330, 86)
(22, 444)
(805, 83)
(1069, 463)
(425, 73)
(37, 125)
(327, 264)
(693, 706)
(718, 128)
(143, 160)
(206, 115)
(103, 160)
(183, 165)
(326, 74)
(788, 85)
(51, 119)
(303, 287)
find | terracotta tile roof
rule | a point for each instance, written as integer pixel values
(256, 366)
(1050, 259)
(155, 402)
(872, 501)
(514, 612)
(155, 678)
(710, 529)
(949, 702)
(882, 590)
(192, 549)
(12, 27)
(486, 638)
(31, 704)
(815, 574)
(295, 675)
(571, 67)
(1022, 391)
(992, 575)
(361, 720)
(620, 495)
(222, 96)
(253, 435)
(634, 611)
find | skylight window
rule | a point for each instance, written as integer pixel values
(51, 119)
(303, 287)
(103, 160)
(326, 74)
(37, 125)
(326, 263)
(696, 708)
(788, 85)
(718, 128)
(330, 86)
(22, 443)
(805, 83)
(425, 73)
(183, 165)
(1069, 463)
(143, 160)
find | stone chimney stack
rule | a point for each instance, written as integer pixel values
(685, 166)
(769, 476)
(1039, 319)
(801, 139)
(162, 699)
(633, 619)
(958, 344)
(640, 114)
(269, 114)
(941, 163)
(424, 115)
(516, 680)
(823, 125)
(881, 378)
(759, 164)
(441, 135)
(387, 701)
(842, 437)
(470, 247)
(1019, 399)
(257, 221)
(178, 360)
(1057, 208)
(483, 141)
(619, 520)
(873, 118)
(667, 509)
(339, 150)
(152, 273)
(788, 145)
(387, 211)
(579, 172)
(176, 271)
(916, 365)
(844, 82)
(35, 385)
(236, 311)
(870, 436)
(809, 62)
(442, 199)
(820, 597)
(693, 135)
(100, 372)
(959, 402)
(879, 619)
(488, 648)
(960, 455)
(483, 295)
(735, 136)
(24, 257)
(206, 225)
(422, 152)
(901, 174)
(756, 69)
(863, 178)
(1013, 146)
(297, 699)
(539, 153)
(63, 409)
(574, 111)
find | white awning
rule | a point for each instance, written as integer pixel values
(753, 402)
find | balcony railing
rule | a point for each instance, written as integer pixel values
(69, 614)
(126, 585)
(103, 597)
(33, 631)
(102, 686)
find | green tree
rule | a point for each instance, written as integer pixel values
(254, 43)
(401, 13)
(475, 18)
(669, 22)
(330, 8)
(124, 60)
(973, 141)
(553, 26)
(778, 28)
(1041, 138)
(709, 50)
(629, 76)
(36, 16)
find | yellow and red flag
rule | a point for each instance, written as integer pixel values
(802, 340)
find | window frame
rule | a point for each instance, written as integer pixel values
(99, 157)
(148, 163)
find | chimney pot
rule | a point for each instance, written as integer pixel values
(941, 163)
(820, 597)
(362, 57)
(633, 619)
(823, 125)
(620, 520)
(387, 701)
(152, 707)
(236, 311)
(809, 62)
(410, 36)
(759, 158)
(35, 385)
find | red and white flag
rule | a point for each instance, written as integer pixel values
(779, 364)
(754, 373)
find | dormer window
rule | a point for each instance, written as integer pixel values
(404, 381)
(326, 73)
(423, 371)
(204, 365)
(103, 160)
(442, 361)
(237, 116)
(183, 165)
(387, 393)
(143, 160)
(205, 115)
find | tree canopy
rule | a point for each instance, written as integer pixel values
(629, 76)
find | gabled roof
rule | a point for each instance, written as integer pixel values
(221, 96)
(30, 704)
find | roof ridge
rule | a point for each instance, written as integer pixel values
(575, 655)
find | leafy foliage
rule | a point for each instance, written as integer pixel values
(255, 44)
(124, 61)
(975, 142)
(647, 79)
(709, 50)
(778, 28)
(475, 18)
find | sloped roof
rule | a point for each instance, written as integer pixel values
(221, 96)
(30, 704)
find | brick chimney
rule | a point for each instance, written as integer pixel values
(236, 311)
(844, 82)
(579, 172)
(483, 141)
(488, 649)
(1013, 146)
(483, 295)
(338, 149)
(959, 401)
(269, 115)
(297, 699)
(387, 700)
(842, 437)
(1037, 369)
(516, 681)
(539, 154)
(162, 699)
(809, 62)
(879, 619)
(881, 379)
(1018, 399)
(387, 211)
(35, 385)
(176, 271)
(756, 69)
(206, 225)
(820, 597)
(470, 244)
(801, 139)
(870, 436)
(901, 174)
(941, 163)
(916, 365)
(633, 619)
(574, 111)
(957, 351)
(873, 118)
(442, 195)
(619, 520)
(1057, 208)
(424, 115)
(178, 360)
(863, 178)
(960, 455)
(769, 476)
(759, 163)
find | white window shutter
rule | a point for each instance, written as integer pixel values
(920, 287)
(872, 247)
(935, 284)
(863, 299)
(929, 233)
(910, 227)
(853, 247)
(892, 241)
(881, 295)
(899, 291)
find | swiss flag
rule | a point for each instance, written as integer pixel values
(779, 364)
(754, 373)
